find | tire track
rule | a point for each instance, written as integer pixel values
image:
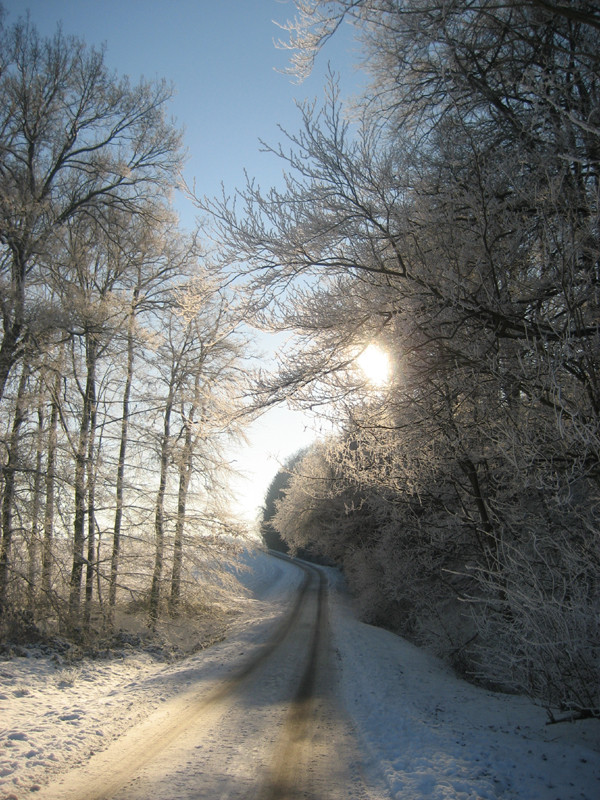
(129, 757)
(266, 732)
(285, 778)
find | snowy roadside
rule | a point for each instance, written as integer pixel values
(55, 714)
(426, 733)
(431, 735)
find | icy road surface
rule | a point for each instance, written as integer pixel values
(267, 730)
(301, 700)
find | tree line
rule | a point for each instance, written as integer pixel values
(450, 215)
(120, 353)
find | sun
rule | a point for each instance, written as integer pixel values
(375, 364)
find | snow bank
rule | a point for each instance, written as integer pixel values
(434, 736)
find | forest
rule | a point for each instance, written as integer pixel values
(448, 215)
(121, 352)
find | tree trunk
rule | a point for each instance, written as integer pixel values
(46, 580)
(13, 328)
(8, 496)
(81, 466)
(159, 516)
(470, 470)
(34, 542)
(116, 543)
(91, 564)
(185, 472)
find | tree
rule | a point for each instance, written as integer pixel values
(210, 413)
(100, 428)
(453, 220)
(8, 493)
(76, 142)
(50, 477)
(276, 493)
(93, 271)
(197, 376)
(154, 256)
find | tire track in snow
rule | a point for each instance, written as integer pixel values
(285, 778)
(105, 776)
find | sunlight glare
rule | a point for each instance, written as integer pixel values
(375, 364)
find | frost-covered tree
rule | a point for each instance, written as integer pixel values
(91, 262)
(275, 493)
(452, 218)
(76, 142)
(196, 387)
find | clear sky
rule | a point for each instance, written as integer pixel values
(230, 93)
(221, 57)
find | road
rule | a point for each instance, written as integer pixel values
(271, 731)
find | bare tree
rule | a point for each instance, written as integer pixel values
(211, 409)
(8, 487)
(50, 478)
(75, 141)
(199, 371)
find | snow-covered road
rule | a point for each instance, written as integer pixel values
(373, 717)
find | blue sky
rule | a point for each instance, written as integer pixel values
(230, 93)
(220, 56)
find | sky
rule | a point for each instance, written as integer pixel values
(231, 92)
(222, 59)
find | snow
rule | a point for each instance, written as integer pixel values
(435, 736)
(423, 732)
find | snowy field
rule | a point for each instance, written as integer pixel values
(423, 732)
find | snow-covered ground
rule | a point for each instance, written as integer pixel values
(423, 732)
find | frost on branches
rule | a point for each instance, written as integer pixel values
(450, 217)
